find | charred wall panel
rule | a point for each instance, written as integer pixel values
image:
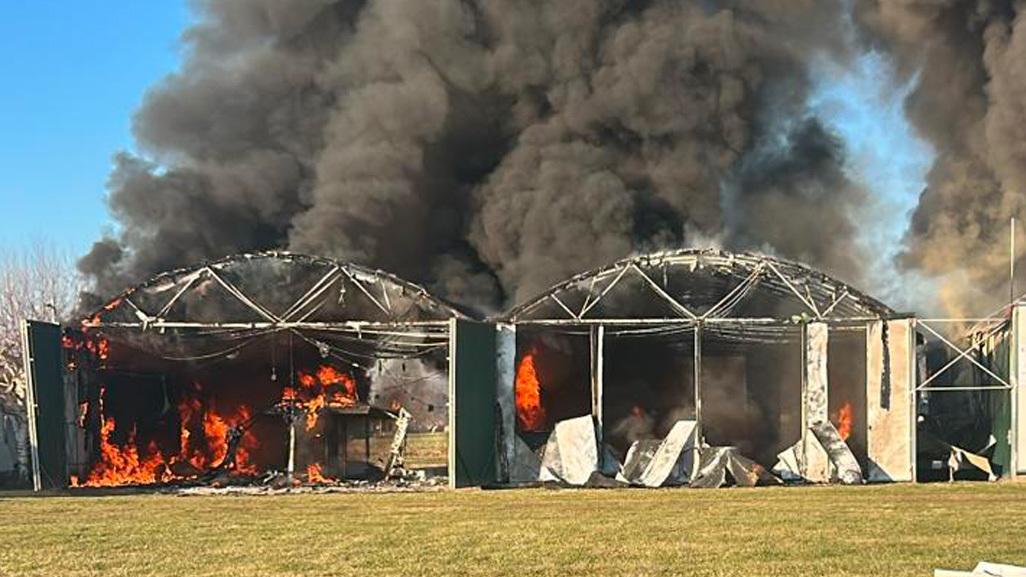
(505, 359)
(815, 339)
(889, 383)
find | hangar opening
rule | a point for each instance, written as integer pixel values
(704, 367)
(269, 368)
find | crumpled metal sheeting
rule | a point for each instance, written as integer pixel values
(637, 460)
(725, 466)
(571, 453)
(788, 465)
(828, 444)
(844, 468)
(665, 463)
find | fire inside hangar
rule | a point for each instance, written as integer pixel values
(692, 367)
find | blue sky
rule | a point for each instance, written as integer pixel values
(864, 105)
(72, 73)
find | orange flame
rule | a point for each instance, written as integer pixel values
(98, 347)
(527, 390)
(345, 391)
(96, 319)
(123, 465)
(126, 464)
(313, 411)
(315, 475)
(103, 349)
(327, 386)
(844, 419)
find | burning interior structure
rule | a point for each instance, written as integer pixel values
(270, 365)
(691, 367)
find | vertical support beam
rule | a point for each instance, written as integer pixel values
(345, 448)
(327, 454)
(890, 400)
(505, 378)
(598, 337)
(290, 467)
(816, 345)
(913, 396)
(815, 340)
(366, 440)
(697, 383)
(1017, 374)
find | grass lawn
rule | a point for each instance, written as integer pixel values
(894, 530)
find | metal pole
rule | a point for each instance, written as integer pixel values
(290, 470)
(366, 442)
(1011, 262)
(698, 385)
(597, 337)
(913, 371)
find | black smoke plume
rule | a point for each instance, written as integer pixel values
(486, 148)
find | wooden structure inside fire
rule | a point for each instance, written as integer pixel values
(663, 369)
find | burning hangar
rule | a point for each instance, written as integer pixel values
(689, 367)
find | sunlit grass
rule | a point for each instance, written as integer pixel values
(837, 531)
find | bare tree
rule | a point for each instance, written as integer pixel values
(37, 282)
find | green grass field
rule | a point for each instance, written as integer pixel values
(883, 530)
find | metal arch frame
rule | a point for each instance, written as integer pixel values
(981, 329)
(824, 299)
(291, 319)
(967, 354)
(775, 274)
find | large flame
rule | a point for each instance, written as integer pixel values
(327, 386)
(530, 412)
(844, 419)
(127, 464)
(123, 465)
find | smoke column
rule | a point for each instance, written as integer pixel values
(970, 103)
(489, 148)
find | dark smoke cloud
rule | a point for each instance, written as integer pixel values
(970, 103)
(487, 148)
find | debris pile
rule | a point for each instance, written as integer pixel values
(573, 456)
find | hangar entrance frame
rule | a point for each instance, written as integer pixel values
(604, 303)
(343, 313)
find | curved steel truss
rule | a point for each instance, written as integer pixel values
(273, 290)
(699, 286)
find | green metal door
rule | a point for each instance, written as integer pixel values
(472, 403)
(45, 404)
